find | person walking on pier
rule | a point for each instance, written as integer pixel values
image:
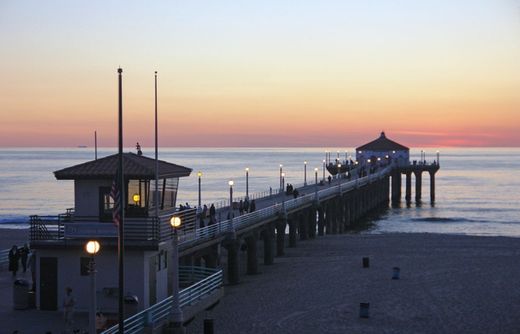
(212, 211)
(253, 206)
(246, 205)
(241, 207)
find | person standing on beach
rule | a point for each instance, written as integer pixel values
(14, 255)
(31, 263)
(24, 253)
(69, 303)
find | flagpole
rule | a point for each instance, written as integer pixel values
(121, 239)
(156, 156)
(95, 144)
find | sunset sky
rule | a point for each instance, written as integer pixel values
(261, 73)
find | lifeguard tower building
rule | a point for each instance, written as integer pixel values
(59, 241)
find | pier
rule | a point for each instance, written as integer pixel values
(210, 253)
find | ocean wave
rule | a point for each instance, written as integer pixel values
(447, 220)
(14, 220)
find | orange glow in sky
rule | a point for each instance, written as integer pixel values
(428, 73)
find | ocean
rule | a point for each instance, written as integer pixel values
(477, 189)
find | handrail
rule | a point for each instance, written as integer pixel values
(249, 219)
(49, 228)
(211, 280)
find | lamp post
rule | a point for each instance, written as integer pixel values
(199, 208)
(231, 183)
(281, 187)
(339, 171)
(305, 173)
(323, 171)
(176, 312)
(316, 183)
(438, 156)
(283, 181)
(92, 247)
(247, 183)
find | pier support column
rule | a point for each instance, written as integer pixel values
(408, 195)
(312, 221)
(329, 217)
(396, 187)
(280, 236)
(347, 212)
(252, 259)
(418, 186)
(334, 216)
(341, 214)
(432, 186)
(292, 231)
(232, 246)
(268, 236)
(321, 221)
(211, 258)
(303, 226)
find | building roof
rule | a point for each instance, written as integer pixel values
(134, 166)
(382, 144)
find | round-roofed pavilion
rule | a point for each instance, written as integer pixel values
(383, 149)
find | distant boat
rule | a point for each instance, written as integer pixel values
(82, 146)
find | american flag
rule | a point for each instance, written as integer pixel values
(115, 193)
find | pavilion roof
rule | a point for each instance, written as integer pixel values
(382, 144)
(134, 167)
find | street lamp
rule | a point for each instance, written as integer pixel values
(199, 175)
(323, 171)
(92, 247)
(281, 187)
(247, 183)
(316, 183)
(231, 183)
(283, 181)
(438, 156)
(339, 171)
(305, 173)
(176, 312)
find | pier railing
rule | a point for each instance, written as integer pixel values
(201, 283)
(273, 211)
(151, 229)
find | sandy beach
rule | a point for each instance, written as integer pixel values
(10, 237)
(448, 284)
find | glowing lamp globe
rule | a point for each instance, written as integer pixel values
(136, 198)
(175, 222)
(92, 247)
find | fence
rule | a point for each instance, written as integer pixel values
(206, 281)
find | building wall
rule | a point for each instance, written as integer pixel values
(86, 196)
(69, 275)
(402, 158)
